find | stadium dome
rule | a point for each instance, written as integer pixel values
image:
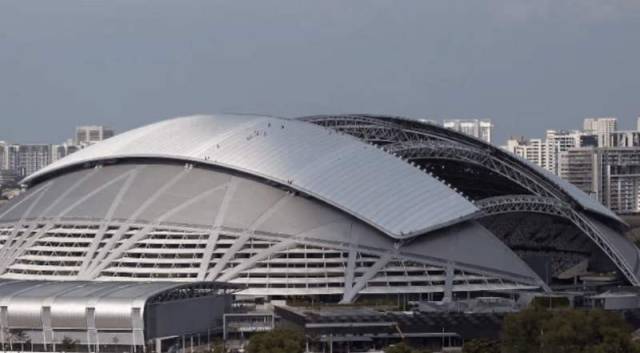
(342, 206)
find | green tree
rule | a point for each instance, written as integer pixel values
(481, 346)
(566, 331)
(277, 341)
(522, 331)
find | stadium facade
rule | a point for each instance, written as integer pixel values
(335, 206)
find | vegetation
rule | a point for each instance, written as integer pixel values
(550, 302)
(537, 330)
(481, 346)
(404, 348)
(277, 341)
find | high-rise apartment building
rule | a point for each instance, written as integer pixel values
(624, 139)
(27, 159)
(87, 135)
(479, 128)
(63, 150)
(601, 127)
(8, 178)
(559, 141)
(612, 175)
(545, 152)
(23, 160)
(3, 155)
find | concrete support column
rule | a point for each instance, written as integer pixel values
(448, 283)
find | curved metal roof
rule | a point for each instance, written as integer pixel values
(372, 185)
(68, 302)
(581, 198)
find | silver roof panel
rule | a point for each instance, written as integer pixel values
(372, 185)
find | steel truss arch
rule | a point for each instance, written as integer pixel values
(433, 149)
(412, 145)
(554, 207)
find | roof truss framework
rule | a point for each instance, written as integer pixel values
(554, 207)
(415, 143)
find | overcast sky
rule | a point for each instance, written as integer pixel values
(528, 65)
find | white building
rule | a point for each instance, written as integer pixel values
(479, 128)
(545, 152)
(602, 127)
(3, 155)
(90, 134)
(559, 141)
(625, 139)
(25, 159)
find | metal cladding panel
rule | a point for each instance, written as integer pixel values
(374, 186)
(248, 201)
(472, 245)
(69, 301)
(114, 310)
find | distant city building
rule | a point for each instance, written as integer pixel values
(87, 135)
(27, 159)
(3, 155)
(63, 150)
(545, 153)
(534, 150)
(601, 127)
(624, 139)
(612, 175)
(8, 178)
(559, 141)
(22, 160)
(479, 128)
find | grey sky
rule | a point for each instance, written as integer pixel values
(529, 65)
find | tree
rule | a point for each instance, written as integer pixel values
(521, 331)
(277, 341)
(566, 331)
(481, 346)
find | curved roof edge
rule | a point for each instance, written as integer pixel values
(335, 168)
(577, 195)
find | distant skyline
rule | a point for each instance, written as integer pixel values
(528, 66)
